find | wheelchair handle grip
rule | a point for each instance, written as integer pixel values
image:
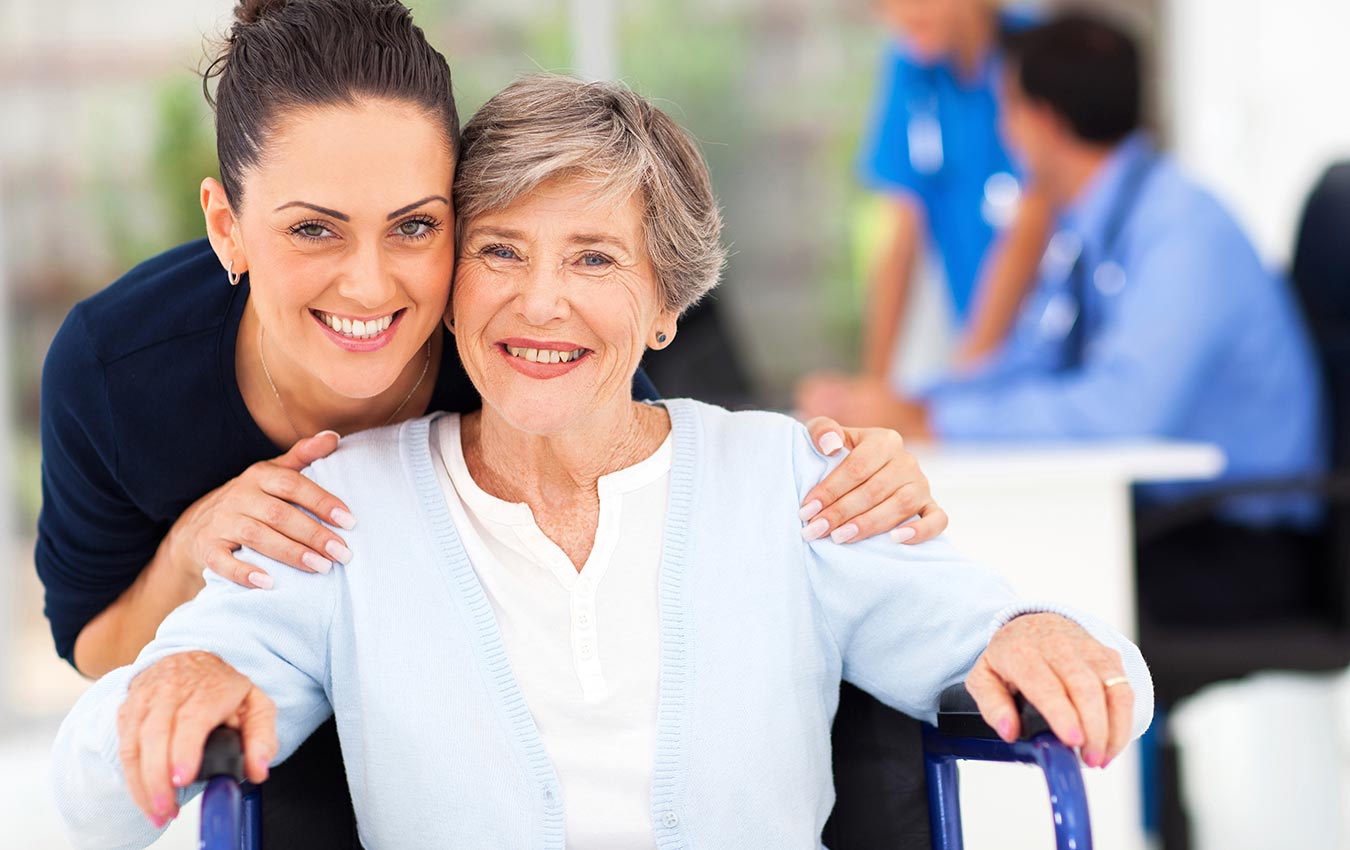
(958, 715)
(223, 755)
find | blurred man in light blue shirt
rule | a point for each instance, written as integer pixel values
(1152, 317)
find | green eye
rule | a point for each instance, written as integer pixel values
(411, 228)
(313, 231)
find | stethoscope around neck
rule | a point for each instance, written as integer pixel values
(1066, 317)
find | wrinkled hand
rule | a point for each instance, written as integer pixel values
(1062, 670)
(875, 489)
(861, 401)
(261, 509)
(170, 709)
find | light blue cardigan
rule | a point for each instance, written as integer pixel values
(757, 629)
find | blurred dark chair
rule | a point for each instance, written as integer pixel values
(1185, 658)
(705, 364)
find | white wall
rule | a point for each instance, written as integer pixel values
(1257, 95)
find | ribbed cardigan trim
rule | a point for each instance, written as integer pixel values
(669, 771)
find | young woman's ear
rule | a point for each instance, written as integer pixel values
(222, 231)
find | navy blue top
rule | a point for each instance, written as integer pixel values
(142, 415)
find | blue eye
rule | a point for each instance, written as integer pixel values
(500, 252)
(595, 261)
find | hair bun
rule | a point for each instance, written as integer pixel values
(252, 11)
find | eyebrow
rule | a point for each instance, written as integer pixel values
(601, 239)
(415, 204)
(344, 217)
(575, 239)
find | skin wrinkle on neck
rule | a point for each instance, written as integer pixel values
(558, 476)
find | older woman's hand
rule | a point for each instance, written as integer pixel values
(877, 488)
(1064, 672)
(170, 709)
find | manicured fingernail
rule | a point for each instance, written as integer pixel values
(844, 533)
(315, 563)
(1092, 758)
(160, 804)
(810, 509)
(1005, 728)
(816, 529)
(338, 552)
(260, 580)
(900, 535)
(831, 442)
(179, 777)
(158, 821)
(343, 519)
(1075, 738)
(334, 433)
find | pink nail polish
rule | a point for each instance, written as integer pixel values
(343, 519)
(1075, 738)
(260, 580)
(1092, 758)
(1005, 728)
(315, 563)
(844, 533)
(157, 821)
(338, 552)
(831, 443)
(178, 779)
(900, 535)
(816, 529)
(810, 509)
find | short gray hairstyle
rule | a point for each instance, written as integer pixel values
(546, 126)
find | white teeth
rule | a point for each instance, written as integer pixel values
(544, 355)
(357, 329)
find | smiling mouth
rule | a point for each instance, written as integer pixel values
(545, 355)
(357, 329)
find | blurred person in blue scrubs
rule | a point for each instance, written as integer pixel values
(1152, 317)
(934, 154)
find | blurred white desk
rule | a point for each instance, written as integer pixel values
(1057, 520)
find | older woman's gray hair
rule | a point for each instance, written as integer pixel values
(546, 126)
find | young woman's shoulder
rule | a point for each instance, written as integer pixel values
(181, 292)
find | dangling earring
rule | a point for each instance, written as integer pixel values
(234, 278)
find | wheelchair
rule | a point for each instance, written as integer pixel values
(231, 817)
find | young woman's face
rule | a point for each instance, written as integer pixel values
(348, 231)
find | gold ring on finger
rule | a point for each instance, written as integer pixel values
(1115, 680)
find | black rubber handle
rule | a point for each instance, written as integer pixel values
(223, 755)
(958, 715)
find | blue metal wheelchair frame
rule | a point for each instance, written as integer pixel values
(232, 809)
(1059, 763)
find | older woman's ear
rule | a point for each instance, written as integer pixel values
(663, 331)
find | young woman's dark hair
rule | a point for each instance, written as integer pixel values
(282, 55)
(1084, 68)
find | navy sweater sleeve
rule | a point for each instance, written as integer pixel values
(92, 540)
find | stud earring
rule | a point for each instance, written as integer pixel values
(660, 337)
(234, 278)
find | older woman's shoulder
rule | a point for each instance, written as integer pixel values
(751, 432)
(372, 458)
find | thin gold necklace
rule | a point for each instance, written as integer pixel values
(284, 412)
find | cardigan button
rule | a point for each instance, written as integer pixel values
(670, 820)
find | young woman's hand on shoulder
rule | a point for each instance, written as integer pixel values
(262, 509)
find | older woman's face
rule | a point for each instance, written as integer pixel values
(349, 236)
(555, 301)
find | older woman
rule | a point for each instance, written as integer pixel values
(579, 620)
